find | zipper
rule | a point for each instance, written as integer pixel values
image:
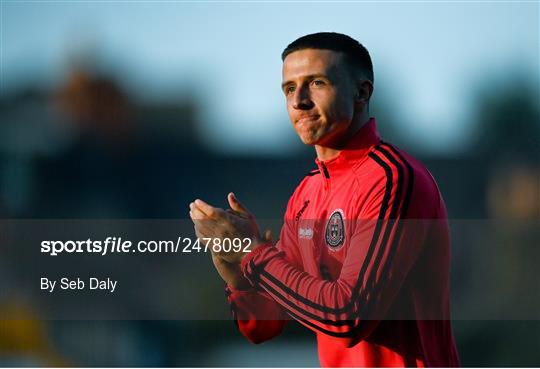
(318, 248)
(325, 171)
(326, 174)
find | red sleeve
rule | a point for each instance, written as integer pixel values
(379, 256)
(258, 317)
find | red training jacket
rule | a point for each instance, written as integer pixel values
(363, 260)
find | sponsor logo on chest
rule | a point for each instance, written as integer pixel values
(305, 233)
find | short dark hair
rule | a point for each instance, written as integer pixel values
(356, 54)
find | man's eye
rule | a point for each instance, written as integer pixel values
(318, 82)
(289, 89)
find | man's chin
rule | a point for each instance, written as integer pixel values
(310, 141)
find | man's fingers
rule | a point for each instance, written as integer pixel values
(207, 209)
(233, 212)
(237, 206)
(268, 236)
(203, 229)
(195, 213)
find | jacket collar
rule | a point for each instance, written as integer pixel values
(356, 149)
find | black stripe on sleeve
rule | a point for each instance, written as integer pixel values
(410, 183)
(403, 214)
(345, 334)
(272, 291)
(381, 221)
(391, 224)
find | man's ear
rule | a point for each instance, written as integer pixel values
(364, 91)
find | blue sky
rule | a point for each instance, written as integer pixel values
(429, 57)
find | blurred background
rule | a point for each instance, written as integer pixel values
(134, 109)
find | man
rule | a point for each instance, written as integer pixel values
(363, 256)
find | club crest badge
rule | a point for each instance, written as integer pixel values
(335, 230)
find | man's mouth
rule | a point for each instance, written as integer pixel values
(307, 118)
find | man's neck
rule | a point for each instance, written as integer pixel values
(330, 152)
(326, 153)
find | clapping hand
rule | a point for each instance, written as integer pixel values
(234, 223)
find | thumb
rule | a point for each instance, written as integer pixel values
(237, 205)
(268, 236)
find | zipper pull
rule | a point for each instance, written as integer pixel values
(325, 171)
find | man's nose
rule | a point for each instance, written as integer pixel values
(302, 99)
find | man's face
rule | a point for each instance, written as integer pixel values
(320, 95)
